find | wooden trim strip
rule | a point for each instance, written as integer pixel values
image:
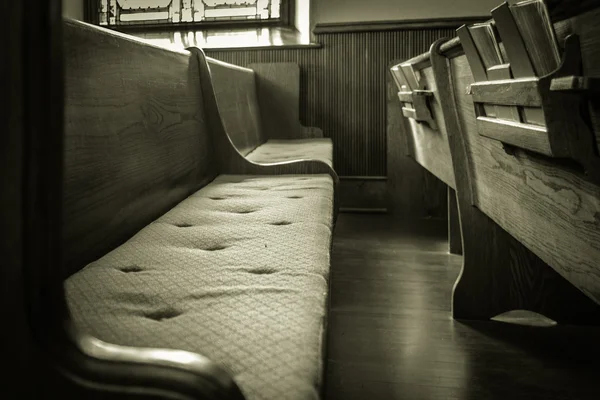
(524, 136)
(515, 92)
(409, 113)
(406, 97)
(477, 68)
(379, 26)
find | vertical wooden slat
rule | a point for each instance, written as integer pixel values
(342, 88)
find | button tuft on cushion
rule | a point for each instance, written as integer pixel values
(163, 314)
(215, 248)
(294, 197)
(130, 268)
(280, 223)
(244, 211)
(217, 198)
(183, 225)
(262, 271)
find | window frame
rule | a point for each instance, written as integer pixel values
(286, 20)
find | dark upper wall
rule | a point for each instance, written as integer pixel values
(330, 11)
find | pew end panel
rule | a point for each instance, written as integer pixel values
(412, 191)
(418, 96)
(427, 139)
(515, 256)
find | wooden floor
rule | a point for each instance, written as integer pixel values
(391, 335)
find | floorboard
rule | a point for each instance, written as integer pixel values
(391, 335)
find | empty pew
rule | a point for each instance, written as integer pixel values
(427, 138)
(529, 209)
(181, 256)
(260, 110)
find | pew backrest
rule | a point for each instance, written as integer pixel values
(136, 140)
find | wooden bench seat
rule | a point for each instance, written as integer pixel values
(530, 221)
(175, 242)
(260, 111)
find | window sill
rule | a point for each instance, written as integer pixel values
(236, 39)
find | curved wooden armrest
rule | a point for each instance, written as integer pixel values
(302, 166)
(172, 373)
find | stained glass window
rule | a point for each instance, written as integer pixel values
(131, 12)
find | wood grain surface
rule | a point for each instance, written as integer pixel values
(136, 141)
(552, 210)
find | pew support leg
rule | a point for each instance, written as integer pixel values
(500, 274)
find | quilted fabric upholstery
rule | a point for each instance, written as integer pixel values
(293, 149)
(237, 272)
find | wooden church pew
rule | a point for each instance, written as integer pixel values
(260, 111)
(531, 233)
(182, 257)
(427, 138)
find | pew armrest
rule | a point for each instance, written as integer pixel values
(161, 372)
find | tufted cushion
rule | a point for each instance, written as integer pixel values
(237, 272)
(296, 149)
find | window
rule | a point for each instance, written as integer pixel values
(122, 13)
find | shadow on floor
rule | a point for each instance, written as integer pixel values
(391, 335)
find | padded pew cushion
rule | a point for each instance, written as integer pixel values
(237, 272)
(276, 150)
